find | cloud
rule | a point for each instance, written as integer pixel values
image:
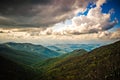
(33, 35)
(115, 35)
(35, 13)
(100, 2)
(108, 35)
(1, 32)
(94, 22)
(6, 21)
(59, 15)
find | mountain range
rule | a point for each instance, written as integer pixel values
(66, 48)
(26, 53)
(101, 63)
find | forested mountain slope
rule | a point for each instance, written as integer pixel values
(100, 64)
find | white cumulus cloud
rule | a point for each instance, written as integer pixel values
(95, 21)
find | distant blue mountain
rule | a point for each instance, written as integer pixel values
(57, 49)
(65, 48)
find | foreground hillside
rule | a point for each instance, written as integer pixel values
(10, 70)
(100, 64)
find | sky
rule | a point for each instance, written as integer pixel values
(59, 21)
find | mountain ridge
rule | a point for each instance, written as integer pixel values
(29, 47)
(102, 63)
(23, 53)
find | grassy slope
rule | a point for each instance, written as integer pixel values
(100, 64)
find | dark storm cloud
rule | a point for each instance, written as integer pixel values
(19, 7)
(38, 12)
(1, 32)
(22, 2)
